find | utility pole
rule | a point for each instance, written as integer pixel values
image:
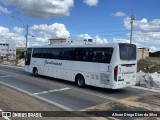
(26, 36)
(26, 29)
(132, 19)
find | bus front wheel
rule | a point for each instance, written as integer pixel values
(80, 82)
(35, 71)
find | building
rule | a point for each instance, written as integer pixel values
(59, 40)
(64, 40)
(7, 51)
(142, 53)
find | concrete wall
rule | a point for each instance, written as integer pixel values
(142, 53)
(58, 40)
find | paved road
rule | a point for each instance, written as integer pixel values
(69, 97)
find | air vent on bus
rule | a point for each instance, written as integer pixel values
(115, 73)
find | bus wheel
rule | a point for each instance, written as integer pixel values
(35, 71)
(80, 82)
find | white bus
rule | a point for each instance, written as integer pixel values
(102, 65)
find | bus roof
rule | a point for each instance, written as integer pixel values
(70, 45)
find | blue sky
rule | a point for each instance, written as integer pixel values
(106, 21)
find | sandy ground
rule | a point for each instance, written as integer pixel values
(149, 65)
(13, 100)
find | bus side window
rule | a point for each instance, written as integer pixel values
(72, 54)
(94, 57)
(68, 54)
(77, 54)
(36, 53)
(85, 56)
(107, 55)
(80, 54)
(106, 58)
(89, 55)
(99, 57)
(56, 53)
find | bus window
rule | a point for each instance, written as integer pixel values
(88, 54)
(41, 53)
(45, 53)
(103, 55)
(127, 51)
(77, 55)
(36, 53)
(98, 57)
(56, 53)
(68, 54)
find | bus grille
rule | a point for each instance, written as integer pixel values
(104, 78)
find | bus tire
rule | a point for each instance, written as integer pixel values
(35, 72)
(80, 81)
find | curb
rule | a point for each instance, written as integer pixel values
(12, 66)
(146, 89)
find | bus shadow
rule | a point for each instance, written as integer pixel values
(90, 88)
(105, 90)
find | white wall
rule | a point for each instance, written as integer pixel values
(142, 53)
(6, 49)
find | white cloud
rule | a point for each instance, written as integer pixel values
(91, 2)
(42, 33)
(3, 30)
(121, 40)
(148, 38)
(119, 14)
(18, 29)
(33, 44)
(154, 49)
(5, 10)
(143, 25)
(9, 37)
(84, 36)
(50, 31)
(42, 39)
(145, 32)
(5, 33)
(42, 8)
(100, 40)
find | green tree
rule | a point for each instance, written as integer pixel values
(20, 52)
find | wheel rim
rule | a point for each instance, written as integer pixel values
(80, 81)
(36, 72)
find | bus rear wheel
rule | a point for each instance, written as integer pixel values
(80, 82)
(35, 72)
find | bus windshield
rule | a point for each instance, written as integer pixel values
(127, 51)
(28, 56)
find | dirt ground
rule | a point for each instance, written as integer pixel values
(149, 65)
(12, 100)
